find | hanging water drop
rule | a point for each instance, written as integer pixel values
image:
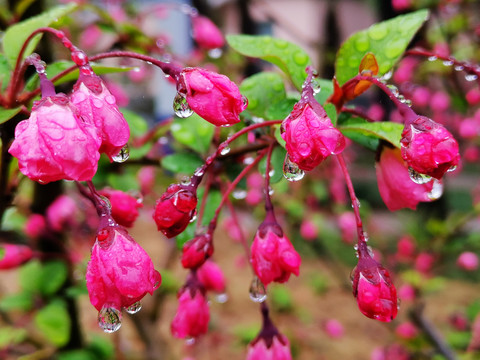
(244, 101)
(257, 291)
(134, 308)
(291, 171)
(200, 171)
(471, 77)
(316, 87)
(432, 58)
(122, 155)
(194, 217)
(109, 319)
(225, 150)
(190, 341)
(387, 75)
(181, 107)
(437, 190)
(452, 168)
(221, 298)
(215, 53)
(239, 194)
(448, 62)
(418, 178)
(393, 89)
(106, 202)
(458, 67)
(186, 180)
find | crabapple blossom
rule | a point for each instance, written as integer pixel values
(197, 250)
(211, 276)
(206, 33)
(468, 261)
(14, 255)
(193, 314)
(124, 206)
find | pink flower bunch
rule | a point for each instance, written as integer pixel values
(376, 295)
(206, 33)
(120, 272)
(273, 256)
(429, 148)
(124, 206)
(175, 209)
(14, 255)
(396, 188)
(212, 96)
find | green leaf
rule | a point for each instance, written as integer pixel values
(21, 6)
(7, 114)
(21, 301)
(138, 124)
(276, 164)
(2, 252)
(16, 35)
(31, 276)
(281, 299)
(194, 132)
(5, 72)
(326, 89)
(183, 163)
(368, 133)
(10, 335)
(262, 91)
(54, 274)
(280, 111)
(76, 355)
(387, 40)
(127, 181)
(290, 58)
(53, 322)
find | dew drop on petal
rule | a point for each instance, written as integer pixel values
(134, 308)
(418, 178)
(452, 168)
(122, 155)
(257, 291)
(437, 190)
(221, 298)
(244, 101)
(109, 319)
(181, 107)
(291, 171)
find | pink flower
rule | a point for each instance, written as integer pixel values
(424, 262)
(429, 148)
(407, 293)
(90, 37)
(193, 314)
(212, 96)
(277, 349)
(401, 5)
(124, 206)
(272, 254)
(334, 328)
(206, 33)
(175, 209)
(468, 261)
(421, 96)
(98, 106)
(396, 188)
(55, 143)
(211, 277)
(13, 255)
(120, 272)
(196, 251)
(310, 136)
(440, 101)
(376, 295)
(35, 226)
(473, 96)
(308, 230)
(405, 248)
(146, 178)
(62, 213)
(348, 226)
(406, 331)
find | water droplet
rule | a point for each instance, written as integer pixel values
(357, 203)
(432, 58)
(248, 160)
(244, 101)
(122, 155)
(378, 31)
(221, 298)
(215, 53)
(199, 172)
(387, 75)
(271, 173)
(418, 178)
(316, 87)
(471, 77)
(181, 107)
(448, 62)
(186, 180)
(291, 171)
(225, 150)
(109, 319)
(190, 341)
(106, 202)
(194, 217)
(257, 291)
(239, 194)
(134, 308)
(270, 191)
(458, 67)
(393, 89)
(437, 190)
(452, 168)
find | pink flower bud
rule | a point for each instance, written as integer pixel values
(193, 314)
(376, 112)
(396, 188)
(254, 196)
(421, 96)
(62, 213)
(440, 101)
(424, 262)
(407, 293)
(429, 148)
(406, 331)
(98, 106)
(120, 272)
(12, 255)
(310, 136)
(459, 321)
(196, 251)
(376, 295)
(55, 143)
(405, 70)
(212, 96)
(90, 37)
(35, 226)
(469, 128)
(473, 96)
(211, 277)
(278, 348)
(146, 178)
(206, 33)
(334, 328)
(124, 206)
(468, 261)
(401, 5)
(175, 209)
(273, 256)
(308, 230)
(405, 248)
